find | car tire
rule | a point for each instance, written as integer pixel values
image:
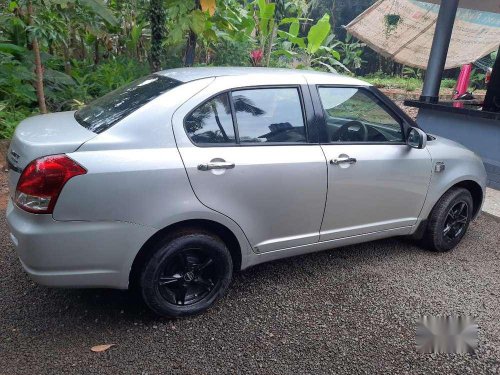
(448, 221)
(186, 275)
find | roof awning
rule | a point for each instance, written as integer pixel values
(481, 5)
(476, 32)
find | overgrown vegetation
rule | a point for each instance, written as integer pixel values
(57, 55)
(406, 82)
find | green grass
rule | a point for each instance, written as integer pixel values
(403, 83)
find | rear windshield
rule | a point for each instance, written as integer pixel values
(106, 111)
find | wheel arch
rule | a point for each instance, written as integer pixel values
(205, 225)
(477, 198)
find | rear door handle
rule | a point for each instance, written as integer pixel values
(343, 161)
(216, 165)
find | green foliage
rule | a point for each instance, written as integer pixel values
(183, 16)
(266, 18)
(317, 34)
(410, 72)
(409, 82)
(448, 83)
(9, 118)
(351, 52)
(114, 74)
(15, 77)
(313, 51)
(382, 80)
(477, 80)
(232, 53)
(90, 47)
(100, 9)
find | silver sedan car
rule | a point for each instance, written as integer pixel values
(175, 181)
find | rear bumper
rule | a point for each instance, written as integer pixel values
(75, 254)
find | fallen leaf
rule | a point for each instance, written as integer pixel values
(101, 348)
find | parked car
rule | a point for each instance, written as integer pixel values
(176, 180)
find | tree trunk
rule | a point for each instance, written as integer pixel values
(270, 44)
(38, 84)
(83, 49)
(191, 43)
(190, 49)
(96, 51)
(67, 62)
(157, 20)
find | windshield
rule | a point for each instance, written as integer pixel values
(106, 111)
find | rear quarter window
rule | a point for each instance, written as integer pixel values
(103, 113)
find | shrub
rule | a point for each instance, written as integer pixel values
(232, 53)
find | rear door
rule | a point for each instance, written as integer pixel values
(250, 155)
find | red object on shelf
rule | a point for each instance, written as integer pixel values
(463, 80)
(462, 83)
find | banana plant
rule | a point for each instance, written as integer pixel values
(268, 16)
(313, 50)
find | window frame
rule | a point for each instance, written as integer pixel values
(384, 102)
(306, 107)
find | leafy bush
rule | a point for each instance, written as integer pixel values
(9, 118)
(115, 73)
(394, 82)
(90, 82)
(408, 83)
(232, 53)
(448, 83)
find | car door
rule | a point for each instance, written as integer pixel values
(248, 156)
(375, 181)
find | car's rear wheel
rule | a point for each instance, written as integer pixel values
(449, 220)
(186, 275)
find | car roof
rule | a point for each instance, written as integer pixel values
(313, 77)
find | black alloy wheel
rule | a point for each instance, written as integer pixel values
(187, 274)
(456, 221)
(449, 220)
(188, 277)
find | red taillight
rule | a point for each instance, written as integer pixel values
(42, 181)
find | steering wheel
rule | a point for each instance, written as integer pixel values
(346, 135)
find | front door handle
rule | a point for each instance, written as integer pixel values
(343, 160)
(215, 165)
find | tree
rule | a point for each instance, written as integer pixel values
(40, 93)
(157, 20)
(191, 41)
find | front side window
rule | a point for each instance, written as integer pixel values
(106, 111)
(353, 115)
(269, 115)
(211, 122)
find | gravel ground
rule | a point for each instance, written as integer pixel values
(350, 310)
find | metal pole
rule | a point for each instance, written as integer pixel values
(439, 50)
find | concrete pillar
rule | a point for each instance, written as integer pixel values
(439, 50)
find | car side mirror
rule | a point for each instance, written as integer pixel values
(416, 138)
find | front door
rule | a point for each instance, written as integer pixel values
(375, 181)
(247, 156)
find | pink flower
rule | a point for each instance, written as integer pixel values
(256, 56)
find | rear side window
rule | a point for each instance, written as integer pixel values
(269, 115)
(106, 111)
(211, 122)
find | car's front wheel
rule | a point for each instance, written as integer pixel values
(186, 275)
(449, 220)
